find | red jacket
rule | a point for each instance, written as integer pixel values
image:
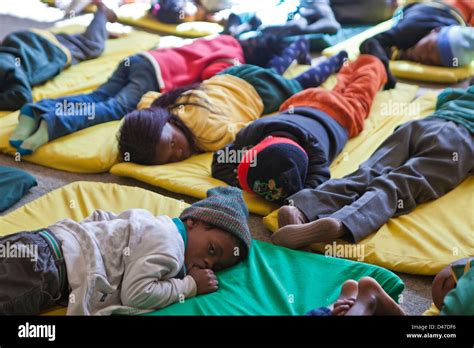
(198, 61)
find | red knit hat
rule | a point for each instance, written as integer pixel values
(280, 171)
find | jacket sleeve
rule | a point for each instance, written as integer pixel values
(16, 90)
(223, 169)
(148, 290)
(318, 166)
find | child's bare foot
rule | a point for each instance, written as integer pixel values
(290, 215)
(373, 300)
(346, 298)
(109, 13)
(299, 235)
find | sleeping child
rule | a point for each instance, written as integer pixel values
(30, 58)
(161, 69)
(128, 263)
(277, 156)
(431, 33)
(452, 291)
(421, 161)
(207, 117)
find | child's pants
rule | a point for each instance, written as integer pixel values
(350, 101)
(272, 88)
(110, 102)
(32, 273)
(417, 21)
(421, 161)
(89, 44)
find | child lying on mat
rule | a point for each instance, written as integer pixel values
(452, 291)
(30, 58)
(161, 69)
(421, 161)
(429, 33)
(277, 156)
(128, 263)
(207, 117)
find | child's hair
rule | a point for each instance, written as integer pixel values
(141, 131)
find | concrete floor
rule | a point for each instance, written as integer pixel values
(417, 294)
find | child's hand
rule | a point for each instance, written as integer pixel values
(205, 279)
(342, 306)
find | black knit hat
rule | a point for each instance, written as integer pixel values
(224, 208)
(279, 170)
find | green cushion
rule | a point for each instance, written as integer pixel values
(14, 184)
(280, 281)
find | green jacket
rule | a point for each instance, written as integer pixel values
(456, 105)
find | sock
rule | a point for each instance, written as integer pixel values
(297, 50)
(40, 137)
(27, 125)
(305, 54)
(319, 73)
(373, 47)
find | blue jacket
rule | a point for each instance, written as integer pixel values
(28, 58)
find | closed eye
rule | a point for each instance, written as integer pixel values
(212, 250)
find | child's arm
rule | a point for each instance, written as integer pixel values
(143, 285)
(318, 167)
(223, 168)
(102, 215)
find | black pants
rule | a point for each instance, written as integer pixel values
(416, 21)
(29, 274)
(421, 161)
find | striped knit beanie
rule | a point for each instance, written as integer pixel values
(224, 208)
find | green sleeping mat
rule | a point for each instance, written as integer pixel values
(280, 281)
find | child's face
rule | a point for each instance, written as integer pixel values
(173, 146)
(209, 247)
(425, 51)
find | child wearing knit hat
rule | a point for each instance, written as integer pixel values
(128, 263)
(285, 153)
(431, 33)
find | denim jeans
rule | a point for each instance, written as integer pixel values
(110, 102)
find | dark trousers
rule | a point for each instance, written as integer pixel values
(421, 161)
(415, 22)
(29, 280)
(89, 44)
(110, 102)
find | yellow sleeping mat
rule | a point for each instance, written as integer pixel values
(137, 15)
(91, 150)
(402, 68)
(429, 238)
(193, 176)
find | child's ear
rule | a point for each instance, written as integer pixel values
(190, 224)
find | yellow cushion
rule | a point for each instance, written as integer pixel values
(193, 176)
(429, 238)
(136, 14)
(403, 69)
(77, 201)
(90, 150)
